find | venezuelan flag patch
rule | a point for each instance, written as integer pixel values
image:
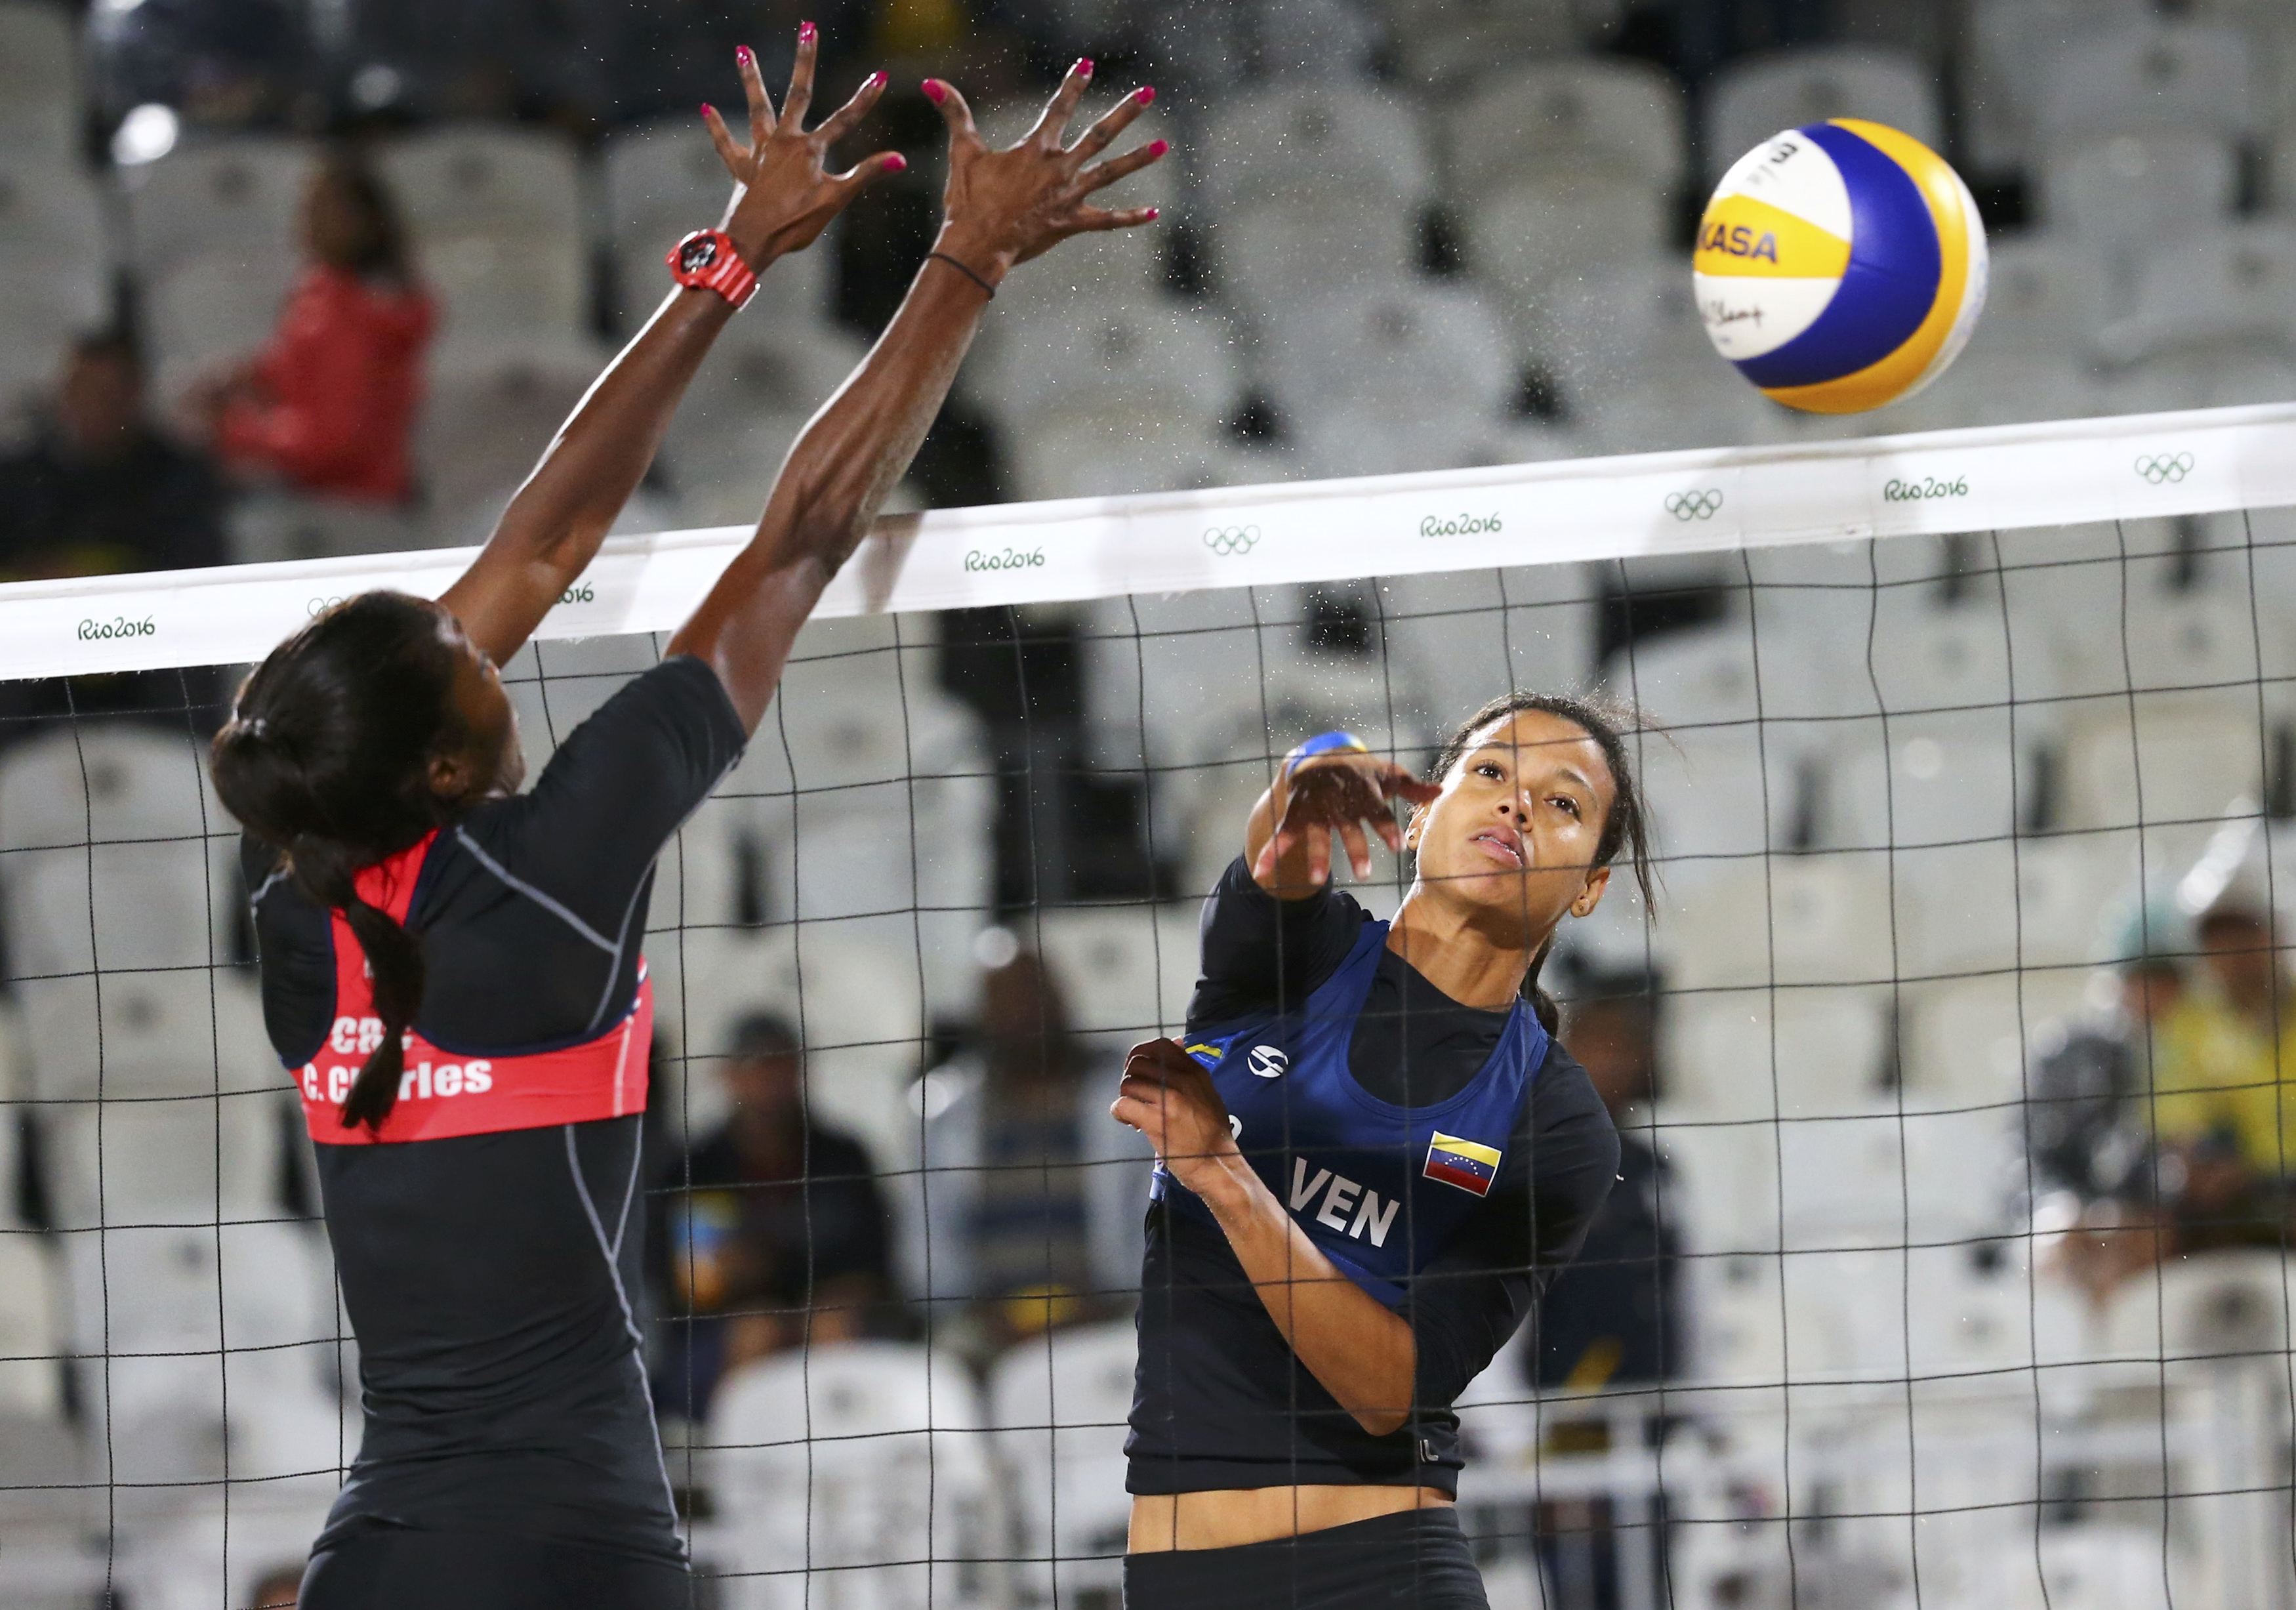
(1462, 1162)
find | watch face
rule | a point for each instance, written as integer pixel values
(697, 254)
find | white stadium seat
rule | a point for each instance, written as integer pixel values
(1267, 253)
(1448, 43)
(207, 313)
(727, 439)
(2121, 193)
(52, 215)
(1301, 139)
(862, 1461)
(2012, 44)
(1750, 1054)
(1762, 96)
(31, 1330)
(496, 218)
(1605, 119)
(1539, 233)
(1058, 1406)
(1382, 349)
(1470, 636)
(2217, 288)
(133, 1159)
(1089, 353)
(1124, 970)
(1970, 1040)
(1806, 919)
(1111, 453)
(2159, 74)
(488, 414)
(236, 195)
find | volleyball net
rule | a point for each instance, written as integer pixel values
(1948, 1261)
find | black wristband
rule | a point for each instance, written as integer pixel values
(962, 269)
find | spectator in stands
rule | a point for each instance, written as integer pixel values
(328, 407)
(1020, 1182)
(100, 490)
(2221, 1113)
(774, 1229)
(1618, 1320)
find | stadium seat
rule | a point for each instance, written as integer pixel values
(662, 180)
(1752, 1054)
(1446, 44)
(1600, 121)
(496, 218)
(1115, 453)
(1379, 350)
(2219, 289)
(1541, 232)
(140, 797)
(219, 1553)
(1090, 353)
(52, 216)
(2123, 193)
(2160, 73)
(1759, 96)
(486, 417)
(1292, 140)
(40, 309)
(205, 313)
(1267, 253)
(31, 1332)
(2011, 45)
(1125, 971)
(1969, 1041)
(2215, 1305)
(1951, 918)
(39, 80)
(1059, 1407)
(276, 523)
(862, 1461)
(727, 439)
(173, 1031)
(199, 1351)
(1813, 919)
(129, 1159)
(1473, 634)
(235, 196)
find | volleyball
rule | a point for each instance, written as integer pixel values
(1841, 266)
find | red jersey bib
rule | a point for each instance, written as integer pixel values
(443, 1093)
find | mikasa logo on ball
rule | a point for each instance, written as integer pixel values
(1268, 1062)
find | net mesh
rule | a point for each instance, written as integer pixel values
(1947, 1262)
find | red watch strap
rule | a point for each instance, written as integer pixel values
(706, 260)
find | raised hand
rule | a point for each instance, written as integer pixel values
(786, 195)
(1002, 208)
(1339, 792)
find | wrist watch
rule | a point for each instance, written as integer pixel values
(706, 260)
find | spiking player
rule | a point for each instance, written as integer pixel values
(1371, 1154)
(453, 966)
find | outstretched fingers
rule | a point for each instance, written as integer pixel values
(1103, 174)
(871, 170)
(1112, 123)
(799, 100)
(1114, 218)
(753, 85)
(1052, 127)
(840, 123)
(954, 112)
(736, 159)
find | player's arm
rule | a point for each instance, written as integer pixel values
(1001, 209)
(1363, 1352)
(1329, 785)
(784, 197)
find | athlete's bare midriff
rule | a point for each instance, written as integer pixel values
(1165, 1522)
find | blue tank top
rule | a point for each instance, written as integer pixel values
(1380, 1189)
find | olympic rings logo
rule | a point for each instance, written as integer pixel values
(1702, 504)
(1228, 541)
(2165, 467)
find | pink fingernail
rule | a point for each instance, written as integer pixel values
(897, 163)
(1153, 215)
(1146, 93)
(741, 54)
(1084, 66)
(933, 91)
(1157, 148)
(805, 32)
(709, 110)
(877, 80)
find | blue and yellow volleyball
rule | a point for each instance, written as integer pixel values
(1841, 267)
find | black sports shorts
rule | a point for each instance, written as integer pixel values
(1415, 1557)
(402, 1568)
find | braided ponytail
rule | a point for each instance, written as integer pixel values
(326, 757)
